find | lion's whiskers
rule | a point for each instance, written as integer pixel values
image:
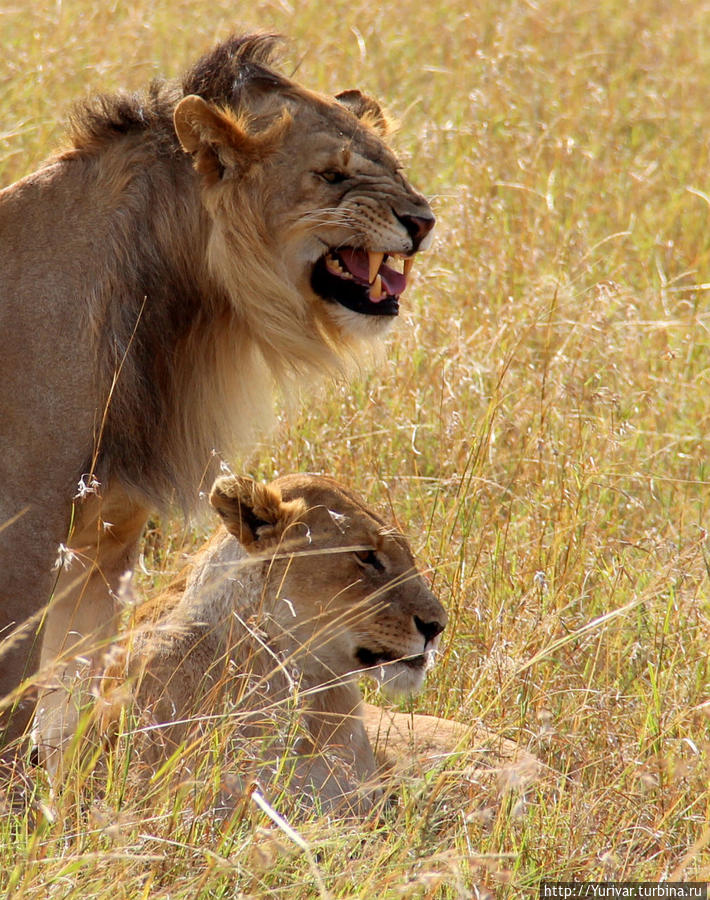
(330, 217)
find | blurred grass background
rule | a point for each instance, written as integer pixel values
(539, 427)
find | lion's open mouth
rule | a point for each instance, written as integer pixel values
(361, 280)
(370, 660)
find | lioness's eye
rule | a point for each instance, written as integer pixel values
(369, 558)
(333, 176)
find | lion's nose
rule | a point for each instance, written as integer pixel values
(429, 629)
(418, 227)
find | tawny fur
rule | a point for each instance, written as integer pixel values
(304, 589)
(156, 289)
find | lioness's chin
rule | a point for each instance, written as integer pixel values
(398, 677)
(401, 679)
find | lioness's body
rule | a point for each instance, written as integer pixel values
(189, 250)
(306, 589)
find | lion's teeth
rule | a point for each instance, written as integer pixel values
(376, 292)
(408, 263)
(375, 263)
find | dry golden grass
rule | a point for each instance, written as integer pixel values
(540, 427)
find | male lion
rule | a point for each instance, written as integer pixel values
(189, 250)
(314, 591)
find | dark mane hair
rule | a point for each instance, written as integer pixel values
(104, 117)
(220, 76)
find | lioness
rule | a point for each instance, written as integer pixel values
(301, 591)
(187, 251)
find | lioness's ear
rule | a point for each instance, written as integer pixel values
(254, 513)
(220, 140)
(367, 109)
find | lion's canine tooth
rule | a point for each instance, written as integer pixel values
(376, 292)
(375, 263)
(408, 263)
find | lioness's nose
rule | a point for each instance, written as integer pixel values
(418, 227)
(429, 629)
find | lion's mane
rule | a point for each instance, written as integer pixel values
(174, 342)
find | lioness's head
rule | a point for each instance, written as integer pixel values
(341, 586)
(331, 219)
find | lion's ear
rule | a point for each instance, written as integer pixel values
(367, 109)
(220, 140)
(254, 513)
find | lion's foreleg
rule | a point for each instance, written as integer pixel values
(82, 617)
(27, 551)
(335, 722)
(338, 770)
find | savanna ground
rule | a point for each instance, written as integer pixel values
(539, 426)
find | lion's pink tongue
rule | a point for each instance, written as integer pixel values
(393, 282)
(358, 264)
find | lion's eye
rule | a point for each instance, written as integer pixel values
(368, 559)
(333, 176)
